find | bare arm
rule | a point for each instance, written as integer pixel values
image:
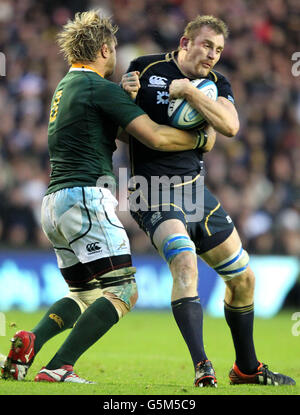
(161, 137)
(220, 114)
(211, 139)
(172, 145)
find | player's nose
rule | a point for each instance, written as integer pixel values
(212, 54)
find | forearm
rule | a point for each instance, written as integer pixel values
(211, 139)
(222, 119)
(164, 138)
(172, 139)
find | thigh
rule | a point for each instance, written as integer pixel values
(168, 228)
(92, 227)
(82, 226)
(222, 251)
(215, 227)
(64, 254)
(155, 222)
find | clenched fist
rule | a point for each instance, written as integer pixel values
(131, 84)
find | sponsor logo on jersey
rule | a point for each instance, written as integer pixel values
(93, 247)
(157, 81)
(162, 97)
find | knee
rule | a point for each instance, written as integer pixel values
(245, 281)
(242, 287)
(123, 295)
(118, 286)
(184, 272)
(184, 265)
(176, 248)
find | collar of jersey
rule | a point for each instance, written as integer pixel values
(80, 67)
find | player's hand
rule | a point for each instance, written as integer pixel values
(131, 83)
(178, 88)
(211, 138)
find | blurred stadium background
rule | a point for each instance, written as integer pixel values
(256, 175)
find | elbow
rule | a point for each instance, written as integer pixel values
(154, 143)
(156, 138)
(232, 129)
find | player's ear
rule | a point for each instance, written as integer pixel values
(184, 42)
(105, 50)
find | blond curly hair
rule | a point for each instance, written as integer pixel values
(82, 38)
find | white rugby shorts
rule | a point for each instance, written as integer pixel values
(82, 225)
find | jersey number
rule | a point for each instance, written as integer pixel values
(54, 108)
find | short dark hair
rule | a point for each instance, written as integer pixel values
(192, 28)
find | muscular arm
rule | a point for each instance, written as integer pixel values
(164, 138)
(160, 137)
(211, 139)
(220, 114)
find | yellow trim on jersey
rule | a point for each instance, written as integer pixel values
(81, 66)
(215, 76)
(208, 216)
(190, 181)
(154, 63)
(176, 63)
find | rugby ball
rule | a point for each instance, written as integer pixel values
(180, 112)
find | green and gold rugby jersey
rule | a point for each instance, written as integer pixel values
(86, 111)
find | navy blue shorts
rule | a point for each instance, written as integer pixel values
(207, 230)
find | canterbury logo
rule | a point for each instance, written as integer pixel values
(157, 81)
(57, 320)
(93, 247)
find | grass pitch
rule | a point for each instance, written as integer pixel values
(144, 354)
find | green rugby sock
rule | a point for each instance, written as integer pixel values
(90, 327)
(61, 316)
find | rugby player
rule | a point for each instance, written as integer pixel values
(151, 80)
(78, 215)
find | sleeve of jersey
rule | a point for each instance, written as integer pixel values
(134, 66)
(117, 105)
(224, 89)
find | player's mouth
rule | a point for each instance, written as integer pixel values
(206, 65)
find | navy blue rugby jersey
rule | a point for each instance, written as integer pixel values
(156, 74)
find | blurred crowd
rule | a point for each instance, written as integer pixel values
(254, 175)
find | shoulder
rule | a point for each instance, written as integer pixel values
(223, 85)
(143, 62)
(218, 77)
